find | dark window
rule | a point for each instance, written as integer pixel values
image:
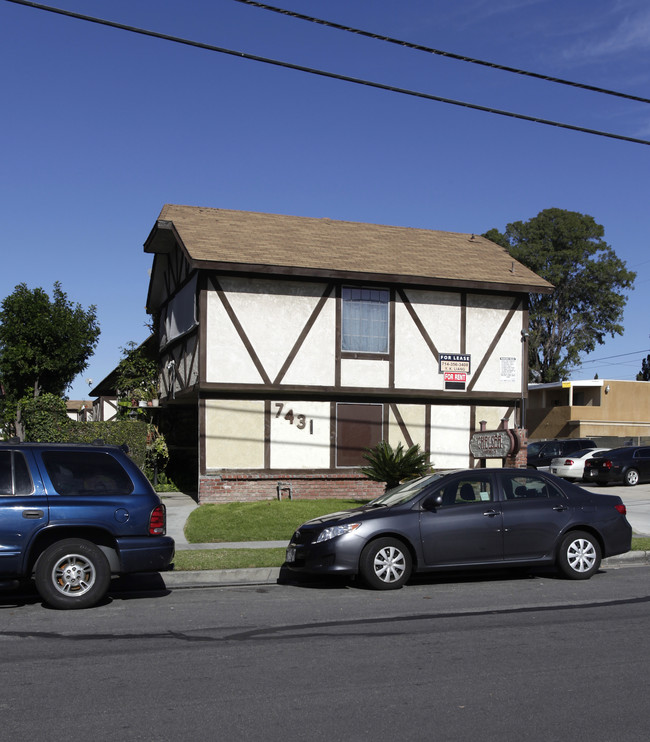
(86, 473)
(358, 426)
(464, 491)
(21, 482)
(22, 478)
(521, 487)
(364, 319)
(6, 486)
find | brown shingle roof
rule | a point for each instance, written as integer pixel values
(242, 240)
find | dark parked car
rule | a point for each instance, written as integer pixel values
(465, 519)
(630, 465)
(541, 453)
(72, 515)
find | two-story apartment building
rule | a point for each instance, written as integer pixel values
(289, 345)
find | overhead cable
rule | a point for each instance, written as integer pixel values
(324, 73)
(440, 52)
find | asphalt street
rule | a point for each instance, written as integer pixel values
(497, 657)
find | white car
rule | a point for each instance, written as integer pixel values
(572, 466)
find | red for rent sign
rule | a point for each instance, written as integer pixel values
(455, 376)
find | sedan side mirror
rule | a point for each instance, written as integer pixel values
(431, 503)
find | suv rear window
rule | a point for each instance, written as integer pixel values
(18, 483)
(86, 473)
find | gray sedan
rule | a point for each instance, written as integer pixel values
(465, 519)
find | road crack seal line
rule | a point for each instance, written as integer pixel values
(316, 629)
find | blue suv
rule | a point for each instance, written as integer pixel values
(73, 515)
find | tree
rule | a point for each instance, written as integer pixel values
(137, 374)
(567, 249)
(392, 465)
(644, 373)
(44, 344)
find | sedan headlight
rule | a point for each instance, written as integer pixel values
(334, 531)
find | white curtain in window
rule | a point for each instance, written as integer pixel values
(365, 320)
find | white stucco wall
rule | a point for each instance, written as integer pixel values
(272, 314)
(234, 434)
(439, 312)
(450, 436)
(485, 314)
(300, 435)
(357, 372)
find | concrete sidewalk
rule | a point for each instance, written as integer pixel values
(179, 506)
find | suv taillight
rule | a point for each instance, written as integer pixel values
(157, 521)
(621, 509)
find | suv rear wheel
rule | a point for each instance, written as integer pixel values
(72, 573)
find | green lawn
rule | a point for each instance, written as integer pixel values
(228, 559)
(269, 520)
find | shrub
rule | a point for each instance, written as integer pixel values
(393, 465)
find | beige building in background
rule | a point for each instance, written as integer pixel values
(600, 408)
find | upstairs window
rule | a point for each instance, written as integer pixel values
(364, 320)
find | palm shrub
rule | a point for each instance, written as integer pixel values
(393, 465)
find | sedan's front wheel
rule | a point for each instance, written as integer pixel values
(579, 556)
(385, 564)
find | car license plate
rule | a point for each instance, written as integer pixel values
(554, 470)
(291, 554)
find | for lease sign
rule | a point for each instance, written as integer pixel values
(457, 363)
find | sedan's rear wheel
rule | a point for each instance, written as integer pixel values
(631, 477)
(579, 556)
(385, 564)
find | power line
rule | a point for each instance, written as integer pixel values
(618, 355)
(440, 52)
(324, 73)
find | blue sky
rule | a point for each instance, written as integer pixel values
(101, 127)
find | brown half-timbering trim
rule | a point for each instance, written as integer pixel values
(305, 331)
(203, 327)
(418, 323)
(267, 433)
(338, 338)
(193, 359)
(524, 353)
(463, 322)
(391, 341)
(472, 429)
(202, 435)
(359, 277)
(240, 330)
(332, 435)
(370, 395)
(402, 425)
(493, 344)
(358, 355)
(427, 429)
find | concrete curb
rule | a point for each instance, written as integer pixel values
(270, 575)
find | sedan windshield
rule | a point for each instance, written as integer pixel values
(406, 491)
